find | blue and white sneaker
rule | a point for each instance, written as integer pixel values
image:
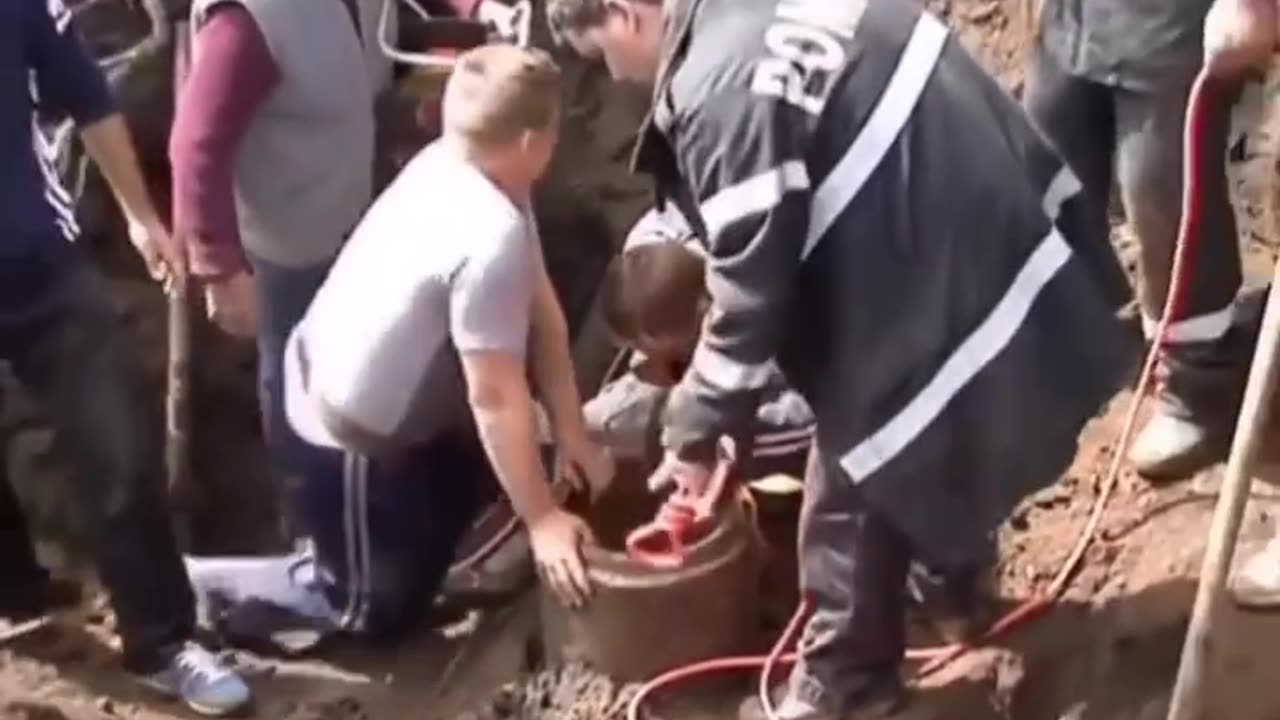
(201, 681)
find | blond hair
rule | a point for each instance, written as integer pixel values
(498, 92)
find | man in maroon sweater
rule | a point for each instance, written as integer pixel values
(251, 245)
(262, 251)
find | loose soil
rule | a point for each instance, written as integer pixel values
(1107, 652)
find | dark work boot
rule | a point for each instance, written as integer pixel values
(1201, 386)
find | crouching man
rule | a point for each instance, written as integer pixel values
(883, 221)
(409, 368)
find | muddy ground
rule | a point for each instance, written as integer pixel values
(1107, 652)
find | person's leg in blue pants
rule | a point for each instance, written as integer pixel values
(70, 359)
(284, 294)
(386, 530)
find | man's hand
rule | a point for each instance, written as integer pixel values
(689, 478)
(584, 465)
(557, 537)
(232, 304)
(164, 256)
(1239, 35)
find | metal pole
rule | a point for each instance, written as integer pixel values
(1198, 652)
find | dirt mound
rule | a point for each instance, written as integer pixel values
(344, 708)
(572, 692)
(30, 711)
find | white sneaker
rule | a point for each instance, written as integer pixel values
(1172, 448)
(1256, 586)
(201, 681)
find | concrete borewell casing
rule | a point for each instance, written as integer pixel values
(642, 621)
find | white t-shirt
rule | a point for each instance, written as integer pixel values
(443, 262)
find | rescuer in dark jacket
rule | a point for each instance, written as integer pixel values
(883, 221)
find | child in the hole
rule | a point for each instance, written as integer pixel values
(654, 301)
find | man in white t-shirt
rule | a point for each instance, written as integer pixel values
(410, 366)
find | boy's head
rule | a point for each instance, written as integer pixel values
(504, 102)
(654, 300)
(626, 34)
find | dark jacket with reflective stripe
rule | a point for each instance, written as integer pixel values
(878, 218)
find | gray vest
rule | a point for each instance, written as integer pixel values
(303, 176)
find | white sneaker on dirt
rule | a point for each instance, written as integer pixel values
(1256, 586)
(201, 681)
(1173, 448)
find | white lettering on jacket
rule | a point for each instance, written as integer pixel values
(806, 51)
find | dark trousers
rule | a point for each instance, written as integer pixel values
(385, 529)
(1109, 133)
(284, 294)
(67, 355)
(853, 566)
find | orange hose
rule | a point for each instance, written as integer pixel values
(1036, 606)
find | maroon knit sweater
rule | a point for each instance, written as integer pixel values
(233, 75)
